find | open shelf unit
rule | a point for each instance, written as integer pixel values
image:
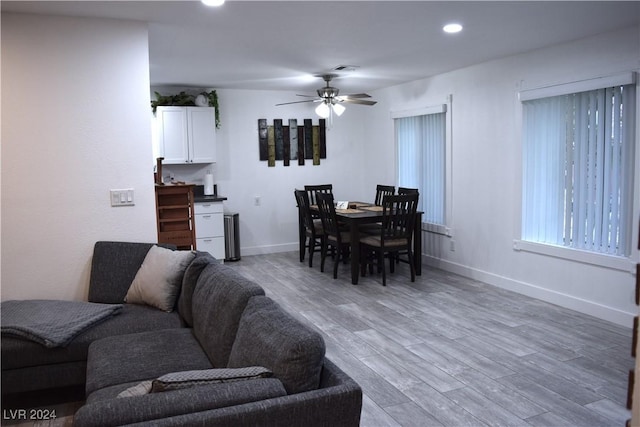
(174, 214)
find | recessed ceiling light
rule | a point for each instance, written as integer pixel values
(452, 28)
(213, 2)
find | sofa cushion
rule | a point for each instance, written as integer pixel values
(103, 408)
(20, 353)
(142, 356)
(189, 281)
(157, 282)
(270, 337)
(113, 267)
(219, 299)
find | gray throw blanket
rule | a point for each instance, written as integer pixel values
(52, 323)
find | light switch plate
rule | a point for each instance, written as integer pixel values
(122, 197)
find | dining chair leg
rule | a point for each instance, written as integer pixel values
(392, 256)
(363, 261)
(323, 255)
(412, 265)
(312, 247)
(336, 262)
(384, 270)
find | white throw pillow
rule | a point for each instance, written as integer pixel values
(157, 282)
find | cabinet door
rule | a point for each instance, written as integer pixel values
(202, 134)
(172, 134)
(210, 225)
(213, 245)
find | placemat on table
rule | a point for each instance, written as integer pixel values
(373, 208)
(349, 211)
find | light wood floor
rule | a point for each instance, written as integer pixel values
(451, 351)
(447, 350)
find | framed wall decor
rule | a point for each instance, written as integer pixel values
(292, 141)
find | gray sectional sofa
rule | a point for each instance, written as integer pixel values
(145, 366)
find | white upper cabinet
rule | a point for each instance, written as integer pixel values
(186, 134)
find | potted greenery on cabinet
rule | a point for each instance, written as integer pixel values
(184, 99)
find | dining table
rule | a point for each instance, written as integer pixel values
(361, 213)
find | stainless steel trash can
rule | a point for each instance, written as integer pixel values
(231, 237)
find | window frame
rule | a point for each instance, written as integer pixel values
(615, 262)
(445, 229)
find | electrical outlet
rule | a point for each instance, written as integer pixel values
(122, 197)
(257, 201)
(452, 245)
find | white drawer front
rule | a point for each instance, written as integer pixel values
(213, 245)
(209, 225)
(209, 207)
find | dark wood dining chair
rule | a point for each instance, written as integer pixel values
(405, 190)
(394, 240)
(383, 190)
(313, 190)
(313, 228)
(335, 235)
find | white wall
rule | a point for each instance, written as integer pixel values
(486, 171)
(75, 104)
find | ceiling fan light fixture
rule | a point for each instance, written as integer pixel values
(212, 2)
(323, 110)
(338, 109)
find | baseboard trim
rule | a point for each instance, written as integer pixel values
(270, 249)
(600, 311)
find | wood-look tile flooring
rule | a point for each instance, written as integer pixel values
(450, 351)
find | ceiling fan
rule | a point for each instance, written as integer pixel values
(330, 101)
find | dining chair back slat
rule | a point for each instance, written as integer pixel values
(398, 216)
(383, 190)
(327, 210)
(405, 190)
(313, 190)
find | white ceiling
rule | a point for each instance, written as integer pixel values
(278, 45)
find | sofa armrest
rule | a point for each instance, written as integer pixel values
(336, 405)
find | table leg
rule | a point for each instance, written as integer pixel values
(417, 244)
(302, 235)
(354, 231)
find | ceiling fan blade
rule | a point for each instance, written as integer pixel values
(359, 101)
(356, 95)
(298, 102)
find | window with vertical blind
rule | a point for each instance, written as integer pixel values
(578, 159)
(421, 156)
